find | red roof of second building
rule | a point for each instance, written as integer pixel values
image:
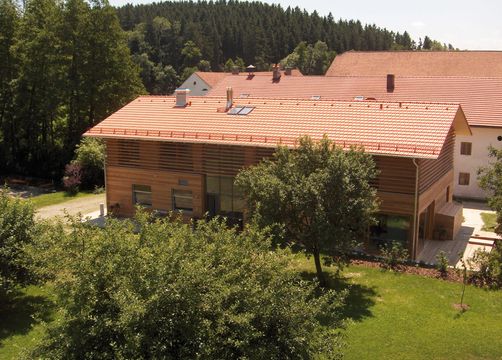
(480, 97)
(418, 63)
(393, 129)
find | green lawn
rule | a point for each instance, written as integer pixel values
(20, 321)
(489, 220)
(55, 198)
(390, 316)
(400, 316)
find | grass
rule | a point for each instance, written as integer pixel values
(401, 316)
(22, 314)
(489, 220)
(389, 316)
(56, 198)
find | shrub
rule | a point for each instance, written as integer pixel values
(172, 292)
(393, 255)
(17, 227)
(488, 268)
(90, 155)
(72, 178)
(442, 264)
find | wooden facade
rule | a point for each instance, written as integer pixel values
(415, 189)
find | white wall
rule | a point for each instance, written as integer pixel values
(197, 86)
(481, 139)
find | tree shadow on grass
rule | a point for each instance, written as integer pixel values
(359, 300)
(20, 312)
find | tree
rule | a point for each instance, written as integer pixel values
(191, 54)
(170, 290)
(490, 180)
(90, 155)
(318, 192)
(17, 228)
(311, 60)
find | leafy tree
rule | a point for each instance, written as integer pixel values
(191, 54)
(180, 291)
(311, 60)
(187, 72)
(17, 229)
(90, 155)
(320, 193)
(490, 179)
(204, 65)
(229, 65)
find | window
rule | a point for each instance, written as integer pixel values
(240, 110)
(182, 200)
(226, 198)
(142, 195)
(464, 178)
(390, 228)
(465, 148)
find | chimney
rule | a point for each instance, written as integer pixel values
(235, 70)
(288, 71)
(251, 69)
(391, 80)
(230, 97)
(276, 73)
(181, 97)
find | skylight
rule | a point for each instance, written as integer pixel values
(315, 97)
(240, 110)
(243, 96)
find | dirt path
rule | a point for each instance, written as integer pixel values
(84, 205)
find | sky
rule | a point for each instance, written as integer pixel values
(466, 24)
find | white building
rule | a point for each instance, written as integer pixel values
(199, 83)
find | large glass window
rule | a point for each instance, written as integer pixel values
(182, 200)
(223, 197)
(390, 228)
(142, 195)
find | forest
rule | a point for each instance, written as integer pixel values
(67, 65)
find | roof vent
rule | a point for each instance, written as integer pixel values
(251, 69)
(391, 80)
(181, 97)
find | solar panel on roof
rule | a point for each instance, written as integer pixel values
(235, 110)
(246, 110)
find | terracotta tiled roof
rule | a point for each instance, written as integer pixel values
(213, 78)
(480, 97)
(393, 129)
(418, 63)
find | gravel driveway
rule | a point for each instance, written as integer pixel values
(84, 205)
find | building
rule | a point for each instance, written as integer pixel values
(181, 154)
(480, 97)
(418, 63)
(201, 83)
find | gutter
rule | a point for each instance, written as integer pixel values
(415, 212)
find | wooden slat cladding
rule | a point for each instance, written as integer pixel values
(397, 175)
(120, 180)
(184, 157)
(433, 170)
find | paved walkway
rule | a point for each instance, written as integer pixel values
(87, 206)
(466, 242)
